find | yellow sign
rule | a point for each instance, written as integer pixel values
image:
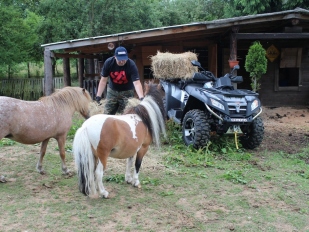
(272, 53)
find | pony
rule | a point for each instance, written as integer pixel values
(31, 122)
(119, 136)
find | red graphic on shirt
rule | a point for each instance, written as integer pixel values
(119, 77)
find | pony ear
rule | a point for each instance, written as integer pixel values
(84, 90)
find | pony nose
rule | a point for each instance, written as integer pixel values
(86, 115)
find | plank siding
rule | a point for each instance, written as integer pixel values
(270, 97)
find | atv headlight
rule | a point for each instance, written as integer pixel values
(254, 105)
(217, 104)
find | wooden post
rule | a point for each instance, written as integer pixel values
(212, 59)
(91, 67)
(66, 72)
(233, 44)
(81, 71)
(48, 87)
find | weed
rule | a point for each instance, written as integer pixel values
(6, 142)
(235, 176)
(166, 193)
(117, 178)
(150, 181)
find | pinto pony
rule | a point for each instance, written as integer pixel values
(118, 136)
(31, 122)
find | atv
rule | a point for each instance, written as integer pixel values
(205, 105)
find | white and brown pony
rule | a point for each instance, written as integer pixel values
(118, 136)
(31, 122)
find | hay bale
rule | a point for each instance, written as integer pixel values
(99, 109)
(168, 65)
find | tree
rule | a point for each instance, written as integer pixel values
(234, 8)
(256, 64)
(16, 38)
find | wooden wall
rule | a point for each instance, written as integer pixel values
(270, 97)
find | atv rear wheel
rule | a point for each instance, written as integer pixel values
(253, 137)
(195, 129)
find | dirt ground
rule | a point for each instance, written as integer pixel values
(286, 129)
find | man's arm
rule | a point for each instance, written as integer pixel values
(102, 85)
(139, 89)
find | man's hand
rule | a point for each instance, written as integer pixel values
(98, 99)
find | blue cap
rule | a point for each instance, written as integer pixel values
(121, 53)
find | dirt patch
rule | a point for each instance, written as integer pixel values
(286, 129)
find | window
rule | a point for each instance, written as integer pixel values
(288, 75)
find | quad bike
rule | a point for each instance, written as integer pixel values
(205, 105)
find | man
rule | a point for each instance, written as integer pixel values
(124, 78)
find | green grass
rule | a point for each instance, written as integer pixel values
(219, 188)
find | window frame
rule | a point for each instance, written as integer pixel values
(289, 88)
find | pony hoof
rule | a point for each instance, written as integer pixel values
(42, 172)
(68, 173)
(128, 180)
(105, 194)
(2, 179)
(137, 184)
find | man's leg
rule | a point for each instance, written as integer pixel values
(111, 105)
(123, 99)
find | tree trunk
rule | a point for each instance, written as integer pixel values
(9, 71)
(28, 69)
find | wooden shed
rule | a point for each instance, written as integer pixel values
(284, 35)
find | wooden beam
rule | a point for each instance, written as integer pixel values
(66, 55)
(272, 36)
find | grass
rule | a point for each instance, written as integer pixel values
(36, 70)
(219, 188)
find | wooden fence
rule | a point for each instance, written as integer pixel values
(26, 89)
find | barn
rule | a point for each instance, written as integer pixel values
(284, 35)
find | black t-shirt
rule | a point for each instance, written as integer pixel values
(121, 77)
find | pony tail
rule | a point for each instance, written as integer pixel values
(155, 119)
(84, 162)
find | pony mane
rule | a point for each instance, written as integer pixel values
(69, 97)
(151, 111)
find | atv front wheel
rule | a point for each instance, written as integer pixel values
(253, 135)
(195, 129)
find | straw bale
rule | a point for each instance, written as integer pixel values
(168, 65)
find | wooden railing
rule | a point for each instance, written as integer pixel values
(26, 89)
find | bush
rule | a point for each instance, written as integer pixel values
(256, 64)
